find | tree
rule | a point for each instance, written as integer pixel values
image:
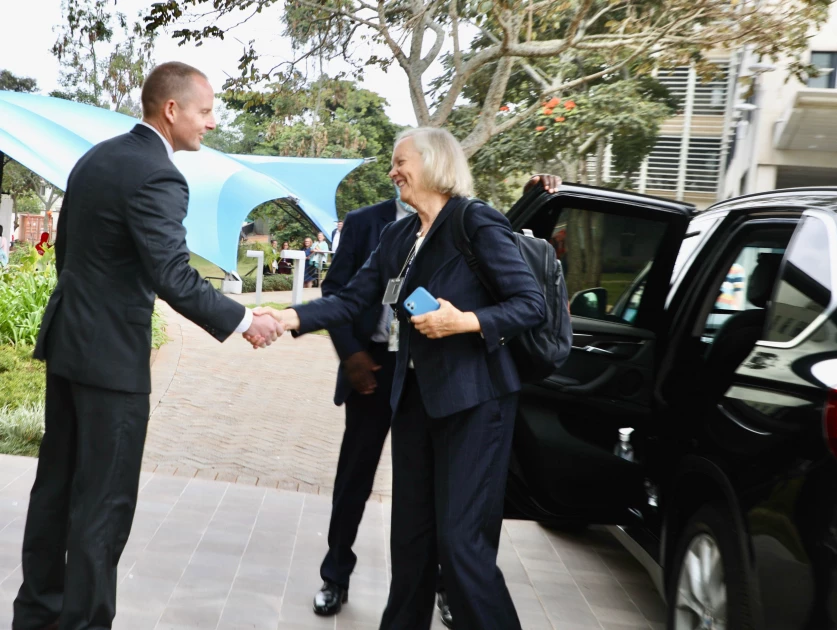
(544, 39)
(329, 118)
(104, 57)
(13, 83)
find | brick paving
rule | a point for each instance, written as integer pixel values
(257, 417)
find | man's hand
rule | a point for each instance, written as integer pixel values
(264, 330)
(361, 368)
(447, 320)
(550, 183)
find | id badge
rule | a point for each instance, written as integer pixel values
(393, 291)
(394, 332)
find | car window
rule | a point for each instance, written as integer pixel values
(606, 258)
(804, 291)
(747, 285)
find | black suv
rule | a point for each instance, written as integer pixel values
(713, 337)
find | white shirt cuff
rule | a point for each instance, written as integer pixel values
(246, 322)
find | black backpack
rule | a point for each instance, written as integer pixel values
(539, 351)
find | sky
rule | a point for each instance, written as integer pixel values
(26, 37)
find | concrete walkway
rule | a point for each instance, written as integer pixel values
(215, 555)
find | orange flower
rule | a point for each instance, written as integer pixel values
(560, 119)
(555, 102)
(540, 128)
(504, 108)
(547, 111)
(569, 105)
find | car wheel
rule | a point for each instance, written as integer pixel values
(708, 591)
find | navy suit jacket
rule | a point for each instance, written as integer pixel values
(360, 237)
(461, 371)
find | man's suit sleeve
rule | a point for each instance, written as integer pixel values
(344, 265)
(155, 219)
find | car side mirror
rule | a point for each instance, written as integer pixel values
(590, 303)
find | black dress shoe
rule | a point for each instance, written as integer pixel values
(444, 609)
(330, 599)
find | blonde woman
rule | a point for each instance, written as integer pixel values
(455, 386)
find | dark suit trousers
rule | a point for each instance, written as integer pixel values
(367, 424)
(82, 504)
(449, 478)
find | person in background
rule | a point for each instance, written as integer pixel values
(310, 267)
(335, 236)
(320, 259)
(4, 249)
(286, 265)
(274, 263)
(455, 384)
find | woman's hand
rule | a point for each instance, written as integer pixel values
(447, 320)
(287, 317)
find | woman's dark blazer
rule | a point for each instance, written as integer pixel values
(461, 371)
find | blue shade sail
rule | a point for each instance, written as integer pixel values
(49, 135)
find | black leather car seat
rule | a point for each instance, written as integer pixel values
(737, 336)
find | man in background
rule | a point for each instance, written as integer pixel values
(120, 240)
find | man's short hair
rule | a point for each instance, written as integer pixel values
(168, 81)
(446, 168)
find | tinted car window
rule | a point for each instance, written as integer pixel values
(804, 289)
(605, 258)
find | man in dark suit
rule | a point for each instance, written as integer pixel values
(364, 381)
(120, 240)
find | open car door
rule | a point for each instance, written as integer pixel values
(618, 251)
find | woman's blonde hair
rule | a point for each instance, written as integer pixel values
(446, 168)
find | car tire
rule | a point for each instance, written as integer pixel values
(709, 584)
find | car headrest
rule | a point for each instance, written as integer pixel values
(760, 285)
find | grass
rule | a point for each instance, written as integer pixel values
(22, 378)
(22, 392)
(212, 271)
(281, 307)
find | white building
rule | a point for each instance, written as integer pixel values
(786, 132)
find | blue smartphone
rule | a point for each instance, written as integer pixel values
(420, 302)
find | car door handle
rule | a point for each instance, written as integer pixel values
(595, 350)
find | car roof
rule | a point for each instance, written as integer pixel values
(788, 199)
(625, 196)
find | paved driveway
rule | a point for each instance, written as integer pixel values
(216, 555)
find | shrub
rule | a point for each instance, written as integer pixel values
(277, 282)
(21, 429)
(25, 288)
(158, 328)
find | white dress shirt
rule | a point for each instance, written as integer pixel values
(247, 321)
(382, 333)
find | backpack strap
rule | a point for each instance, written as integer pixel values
(463, 244)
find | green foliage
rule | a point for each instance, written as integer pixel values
(525, 52)
(25, 288)
(104, 57)
(158, 328)
(275, 282)
(22, 378)
(28, 203)
(21, 430)
(14, 83)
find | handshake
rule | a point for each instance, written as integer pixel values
(269, 324)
